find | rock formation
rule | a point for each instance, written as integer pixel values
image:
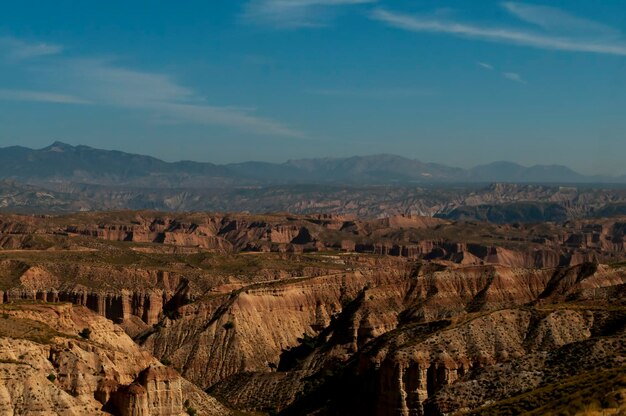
(63, 359)
(403, 316)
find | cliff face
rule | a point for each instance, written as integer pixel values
(403, 236)
(248, 330)
(246, 327)
(269, 312)
(411, 335)
(405, 376)
(471, 361)
(508, 361)
(157, 390)
(119, 307)
(129, 296)
(48, 369)
(531, 246)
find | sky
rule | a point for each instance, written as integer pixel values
(455, 82)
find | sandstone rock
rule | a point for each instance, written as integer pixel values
(46, 368)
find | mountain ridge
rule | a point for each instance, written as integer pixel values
(62, 162)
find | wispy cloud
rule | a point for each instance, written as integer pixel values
(513, 76)
(40, 96)
(589, 41)
(369, 93)
(293, 13)
(16, 49)
(557, 20)
(105, 82)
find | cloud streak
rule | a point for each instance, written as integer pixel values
(511, 76)
(523, 37)
(40, 96)
(369, 93)
(514, 76)
(104, 82)
(16, 49)
(557, 20)
(287, 14)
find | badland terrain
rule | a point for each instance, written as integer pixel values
(372, 285)
(157, 313)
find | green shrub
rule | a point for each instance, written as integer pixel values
(172, 315)
(51, 377)
(166, 361)
(85, 333)
(229, 325)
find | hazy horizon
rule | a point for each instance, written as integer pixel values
(273, 80)
(365, 155)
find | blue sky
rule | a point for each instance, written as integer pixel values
(456, 82)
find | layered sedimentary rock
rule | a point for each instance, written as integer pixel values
(247, 331)
(416, 333)
(47, 368)
(541, 245)
(269, 311)
(118, 306)
(406, 376)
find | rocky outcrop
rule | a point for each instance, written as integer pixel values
(249, 329)
(267, 310)
(118, 306)
(156, 391)
(417, 332)
(46, 367)
(466, 363)
(416, 237)
(406, 376)
(126, 295)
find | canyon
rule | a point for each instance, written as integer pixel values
(310, 314)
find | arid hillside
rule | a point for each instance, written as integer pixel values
(64, 359)
(499, 203)
(313, 314)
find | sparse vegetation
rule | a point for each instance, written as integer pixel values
(85, 333)
(419, 311)
(9, 361)
(171, 314)
(571, 396)
(23, 328)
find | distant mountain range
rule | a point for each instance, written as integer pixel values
(64, 163)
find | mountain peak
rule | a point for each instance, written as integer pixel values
(84, 164)
(59, 147)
